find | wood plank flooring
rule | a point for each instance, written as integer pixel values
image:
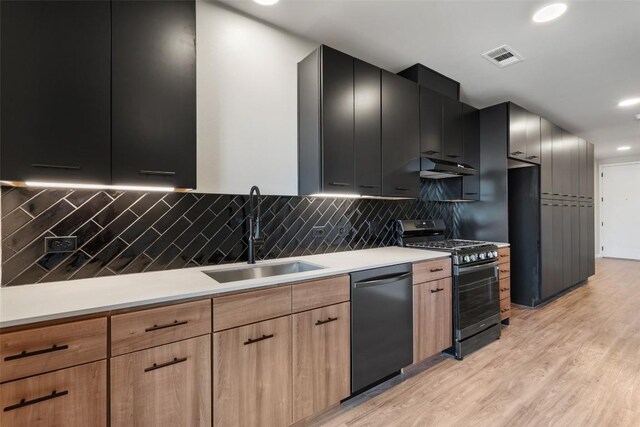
(572, 362)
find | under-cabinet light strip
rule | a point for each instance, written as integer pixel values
(97, 186)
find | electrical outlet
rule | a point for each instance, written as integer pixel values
(317, 231)
(343, 231)
(54, 245)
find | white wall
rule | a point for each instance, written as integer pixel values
(247, 102)
(600, 162)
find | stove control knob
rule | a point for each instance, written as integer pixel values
(482, 255)
(490, 254)
(466, 258)
(495, 254)
(474, 257)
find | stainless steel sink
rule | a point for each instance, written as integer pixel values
(255, 272)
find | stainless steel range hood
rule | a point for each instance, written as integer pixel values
(438, 169)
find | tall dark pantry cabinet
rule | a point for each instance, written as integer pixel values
(549, 177)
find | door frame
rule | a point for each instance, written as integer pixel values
(601, 168)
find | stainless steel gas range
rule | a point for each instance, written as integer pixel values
(476, 294)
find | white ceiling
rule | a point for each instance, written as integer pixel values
(575, 72)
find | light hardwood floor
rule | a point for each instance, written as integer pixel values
(572, 362)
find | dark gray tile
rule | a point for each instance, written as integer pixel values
(133, 251)
(81, 215)
(176, 211)
(39, 225)
(43, 201)
(104, 237)
(101, 260)
(79, 197)
(13, 221)
(167, 238)
(65, 269)
(31, 253)
(116, 208)
(12, 197)
(30, 276)
(145, 202)
(143, 223)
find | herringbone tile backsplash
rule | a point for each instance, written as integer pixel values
(122, 232)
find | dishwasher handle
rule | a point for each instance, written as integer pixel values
(384, 281)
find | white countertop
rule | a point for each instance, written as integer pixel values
(25, 304)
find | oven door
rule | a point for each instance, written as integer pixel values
(476, 299)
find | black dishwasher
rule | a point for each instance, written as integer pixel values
(381, 324)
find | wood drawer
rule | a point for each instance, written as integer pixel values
(504, 255)
(320, 293)
(68, 397)
(34, 351)
(157, 326)
(505, 308)
(250, 307)
(505, 288)
(431, 270)
(505, 270)
(169, 385)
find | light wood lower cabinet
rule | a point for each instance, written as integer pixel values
(432, 318)
(73, 397)
(252, 375)
(169, 385)
(321, 359)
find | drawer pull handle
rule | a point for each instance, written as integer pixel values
(25, 402)
(168, 325)
(157, 173)
(430, 152)
(433, 291)
(503, 255)
(340, 184)
(504, 271)
(330, 319)
(46, 166)
(402, 189)
(517, 153)
(504, 289)
(26, 353)
(435, 270)
(163, 365)
(262, 338)
(368, 186)
(504, 310)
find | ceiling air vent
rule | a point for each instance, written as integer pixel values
(503, 56)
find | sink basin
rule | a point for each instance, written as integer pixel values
(255, 272)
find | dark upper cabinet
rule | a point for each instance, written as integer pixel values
(367, 130)
(533, 138)
(546, 158)
(55, 82)
(517, 131)
(558, 166)
(524, 134)
(452, 121)
(154, 93)
(582, 151)
(440, 126)
(573, 151)
(431, 123)
(471, 151)
(400, 136)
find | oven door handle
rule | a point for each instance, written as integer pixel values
(471, 269)
(385, 281)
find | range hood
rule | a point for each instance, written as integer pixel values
(437, 169)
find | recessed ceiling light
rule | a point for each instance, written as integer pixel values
(629, 102)
(637, 116)
(550, 12)
(624, 148)
(266, 2)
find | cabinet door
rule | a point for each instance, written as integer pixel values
(584, 242)
(169, 385)
(558, 249)
(452, 122)
(558, 161)
(337, 121)
(154, 93)
(252, 375)
(567, 244)
(548, 282)
(583, 190)
(575, 243)
(590, 172)
(591, 255)
(321, 359)
(55, 96)
(74, 397)
(432, 318)
(546, 158)
(533, 138)
(400, 136)
(517, 131)
(367, 138)
(574, 164)
(471, 151)
(431, 124)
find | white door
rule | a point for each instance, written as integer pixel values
(620, 211)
